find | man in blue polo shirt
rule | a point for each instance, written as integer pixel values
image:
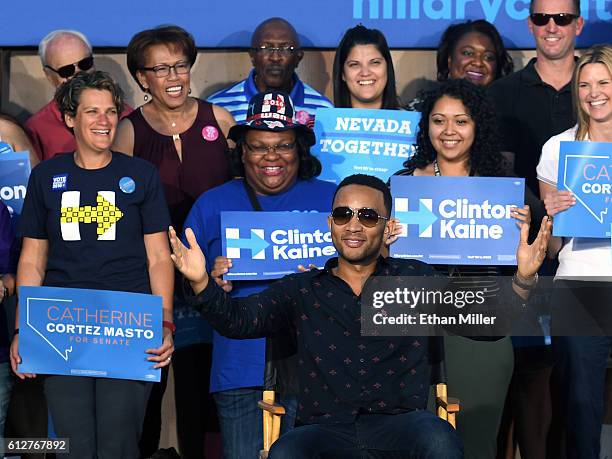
(275, 53)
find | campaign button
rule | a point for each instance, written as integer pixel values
(210, 133)
(127, 184)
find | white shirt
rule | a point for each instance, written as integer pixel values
(579, 257)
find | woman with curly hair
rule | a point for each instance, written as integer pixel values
(457, 134)
(473, 50)
(470, 50)
(458, 137)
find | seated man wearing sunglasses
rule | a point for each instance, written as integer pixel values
(63, 53)
(358, 394)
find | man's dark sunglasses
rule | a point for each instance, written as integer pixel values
(66, 71)
(368, 217)
(561, 19)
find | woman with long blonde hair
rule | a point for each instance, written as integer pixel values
(582, 281)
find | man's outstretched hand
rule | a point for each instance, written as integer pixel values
(190, 261)
(529, 257)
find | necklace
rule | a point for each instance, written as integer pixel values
(437, 171)
(175, 137)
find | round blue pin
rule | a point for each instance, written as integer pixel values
(127, 184)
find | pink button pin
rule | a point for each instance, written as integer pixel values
(210, 133)
(302, 117)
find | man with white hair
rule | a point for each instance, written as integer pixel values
(62, 53)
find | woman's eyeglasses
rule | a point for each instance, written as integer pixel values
(366, 216)
(163, 70)
(281, 149)
(66, 71)
(561, 19)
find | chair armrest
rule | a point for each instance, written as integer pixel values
(272, 408)
(450, 404)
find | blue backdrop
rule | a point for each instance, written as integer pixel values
(321, 23)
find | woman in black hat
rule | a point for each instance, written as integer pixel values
(277, 173)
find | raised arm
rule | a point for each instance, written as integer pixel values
(255, 316)
(555, 201)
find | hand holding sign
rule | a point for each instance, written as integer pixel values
(163, 354)
(16, 359)
(557, 201)
(222, 266)
(190, 261)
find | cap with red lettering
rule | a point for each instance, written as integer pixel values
(271, 111)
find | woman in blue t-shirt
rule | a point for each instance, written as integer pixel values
(128, 252)
(275, 172)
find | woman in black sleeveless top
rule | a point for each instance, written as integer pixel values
(185, 138)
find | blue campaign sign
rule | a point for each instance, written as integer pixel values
(457, 220)
(584, 169)
(269, 245)
(68, 331)
(320, 23)
(14, 175)
(356, 141)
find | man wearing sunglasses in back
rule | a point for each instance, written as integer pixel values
(360, 396)
(535, 103)
(532, 105)
(63, 53)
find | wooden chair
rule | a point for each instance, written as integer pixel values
(446, 407)
(279, 376)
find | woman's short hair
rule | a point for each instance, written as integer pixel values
(68, 95)
(361, 35)
(309, 167)
(455, 32)
(598, 54)
(485, 157)
(172, 36)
